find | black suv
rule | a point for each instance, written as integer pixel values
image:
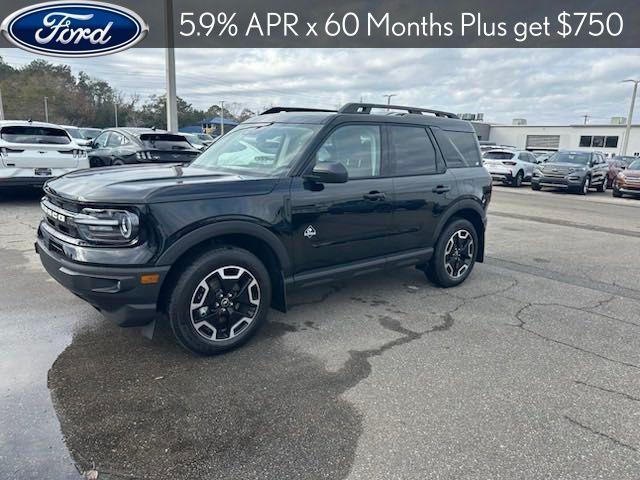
(124, 146)
(288, 199)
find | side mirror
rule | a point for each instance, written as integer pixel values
(330, 172)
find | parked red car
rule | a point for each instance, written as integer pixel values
(616, 165)
(627, 182)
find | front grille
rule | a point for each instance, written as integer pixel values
(63, 226)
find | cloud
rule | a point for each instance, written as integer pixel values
(545, 86)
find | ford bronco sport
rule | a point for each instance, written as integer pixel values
(288, 199)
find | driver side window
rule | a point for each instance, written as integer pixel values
(101, 141)
(357, 147)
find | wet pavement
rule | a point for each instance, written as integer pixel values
(529, 370)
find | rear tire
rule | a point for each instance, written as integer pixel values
(210, 311)
(455, 254)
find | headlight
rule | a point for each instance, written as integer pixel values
(107, 226)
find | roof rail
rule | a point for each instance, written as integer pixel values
(294, 109)
(366, 108)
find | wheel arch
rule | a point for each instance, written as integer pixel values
(470, 210)
(256, 239)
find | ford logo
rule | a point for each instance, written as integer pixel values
(74, 29)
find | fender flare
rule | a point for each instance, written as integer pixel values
(453, 210)
(226, 227)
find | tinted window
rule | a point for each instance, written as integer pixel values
(498, 155)
(38, 135)
(585, 141)
(611, 142)
(357, 147)
(412, 152)
(116, 140)
(163, 141)
(461, 149)
(101, 141)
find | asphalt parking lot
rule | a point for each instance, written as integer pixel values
(529, 370)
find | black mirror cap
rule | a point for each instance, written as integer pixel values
(330, 172)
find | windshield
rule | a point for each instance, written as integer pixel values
(267, 149)
(634, 165)
(499, 155)
(205, 137)
(579, 158)
(193, 139)
(38, 135)
(75, 133)
(90, 133)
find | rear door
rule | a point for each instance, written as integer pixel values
(423, 186)
(335, 224)
(25, 146)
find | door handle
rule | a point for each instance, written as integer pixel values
(441, 189)
(375, 196)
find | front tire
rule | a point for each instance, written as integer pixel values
(517, 181)
(536, 187)
(455, 254)
(219, 301)
(603, 187)
(586, 184)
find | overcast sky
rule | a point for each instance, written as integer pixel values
(550, 86)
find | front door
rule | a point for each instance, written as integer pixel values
(334, 224)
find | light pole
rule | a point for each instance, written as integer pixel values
(1, 106)
(222, 118)
(115, 110)
(46, 109)
(170, 55)
(388, 97)
(630, 117)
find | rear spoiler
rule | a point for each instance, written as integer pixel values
(167, 137)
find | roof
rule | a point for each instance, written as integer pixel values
(24, 123)
(324, 118)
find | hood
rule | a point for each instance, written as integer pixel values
(141, 184)
(631, 173)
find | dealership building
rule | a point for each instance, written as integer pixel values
(607, 138)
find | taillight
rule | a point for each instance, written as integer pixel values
(143, 156)
(511, 164)
(3, 152)
(78, 153)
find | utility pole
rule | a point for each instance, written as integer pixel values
(1, 106)
(46, 109)
(222, 118)
(630, 117)
(586, 117)
(388, 97)
(170, 55)
(115, 108)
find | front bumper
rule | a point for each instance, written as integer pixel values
(115, 291)
(569, 181)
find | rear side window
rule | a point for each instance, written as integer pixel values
(460, 149)
(37, 135)
(498, 155)
(159, 141)
(412, 152)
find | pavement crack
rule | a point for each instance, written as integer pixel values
(614, 440)
(608, 390)
(523, 326)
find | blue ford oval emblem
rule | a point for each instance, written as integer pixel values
(74, 29)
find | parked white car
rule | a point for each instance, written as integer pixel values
(32, 153)
(511, 167)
